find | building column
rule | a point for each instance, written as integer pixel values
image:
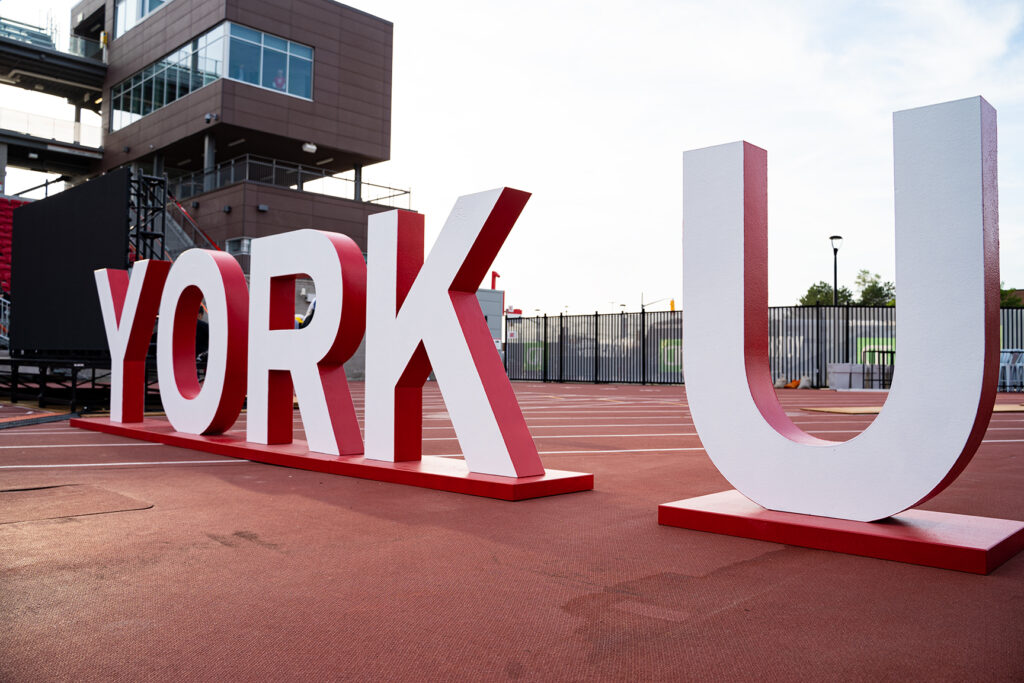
(78, 124)
(158, 165)
(3, 168)
(209, 162)
(358, 192)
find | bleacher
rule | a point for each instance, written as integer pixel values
(7, 206)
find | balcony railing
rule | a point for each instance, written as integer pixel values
(50, 128)
(265, 171)
(49, 39)
(35, 36)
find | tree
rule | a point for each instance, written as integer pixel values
(874, 292)
(821, 293)
(1008, 298)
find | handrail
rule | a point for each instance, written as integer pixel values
(51, 128)
(26, 33)
(267, 171)
(205, 242)
(44, 185)
(47, 38)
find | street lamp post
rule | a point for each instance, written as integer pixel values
(644, 305)
(837, 241)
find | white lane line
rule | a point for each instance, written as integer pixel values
(73, 430)
(86, 445)
(846, 431)
(598, 426)
(625, 450)
(121, 464)
(572, 436)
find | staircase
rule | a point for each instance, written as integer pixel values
(181, 232)
(160, 227)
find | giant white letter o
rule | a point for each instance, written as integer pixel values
(210, 408)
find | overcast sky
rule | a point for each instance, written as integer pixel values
(589, 106)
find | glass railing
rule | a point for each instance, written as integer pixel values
(255, 169)
(85, 47)
(25, 33)
(50, 128)
(49, 39)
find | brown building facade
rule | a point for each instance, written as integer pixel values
(299, 90)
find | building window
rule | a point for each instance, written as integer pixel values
(270, 62)
(250, 56)
(128, 13)
(237, 246)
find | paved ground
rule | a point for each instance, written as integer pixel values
(147, 562)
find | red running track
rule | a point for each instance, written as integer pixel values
(153, 562)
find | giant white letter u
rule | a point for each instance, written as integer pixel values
(947, 274)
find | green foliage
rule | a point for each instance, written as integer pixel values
(821, 293)
(874, 292)
(1008, 298)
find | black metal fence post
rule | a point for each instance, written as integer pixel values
(561, 347)
(643, 345)
(846, 335)
(597, 349)
(544, 373)
(819, 345)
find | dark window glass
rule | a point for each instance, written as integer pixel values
(171, 84)
(301, 50)
(136, 99)
(147, 96)
(244, 61)
(275, 43)
(300, 77)
(184, 80)
(275, 70)
(157, 91)
(247, 33)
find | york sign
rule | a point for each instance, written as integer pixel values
(410, 308)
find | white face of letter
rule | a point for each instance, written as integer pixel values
(414, 312)
(129, 308)
(310, 359)
(213, 407)
(947, 321)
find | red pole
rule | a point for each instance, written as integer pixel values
(494, 279)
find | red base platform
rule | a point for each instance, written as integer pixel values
(933, 539)
(431, 472)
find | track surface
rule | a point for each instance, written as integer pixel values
(149, 562)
